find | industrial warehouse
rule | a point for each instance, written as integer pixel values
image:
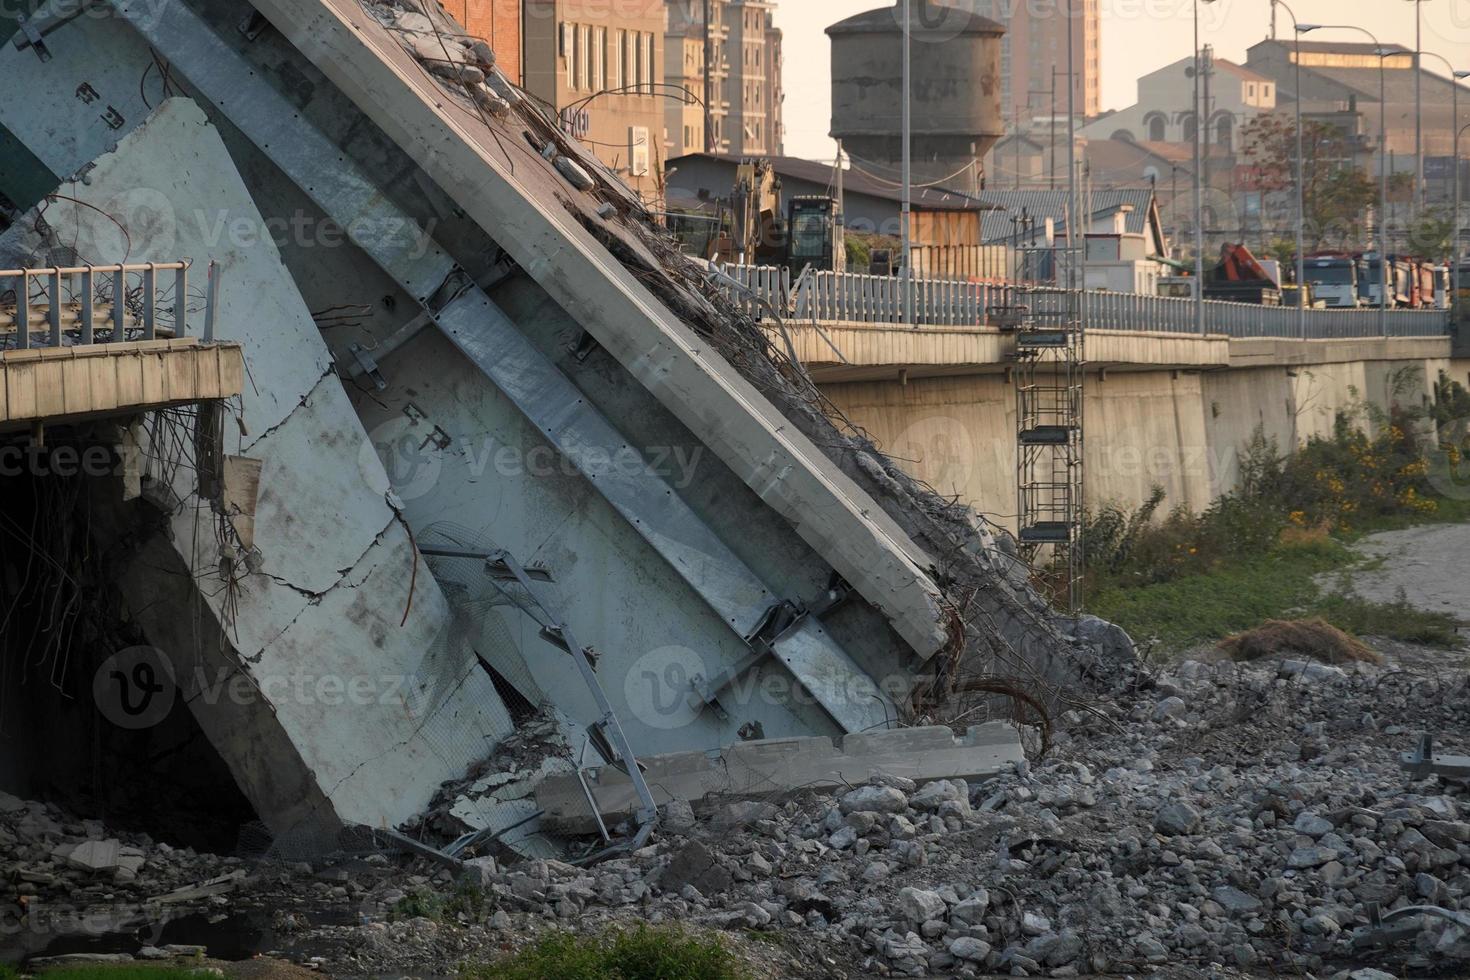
(441, 537)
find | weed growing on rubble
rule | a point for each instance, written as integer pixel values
(1254, 554)
(641, 953)
(114, 971)
(465, 901)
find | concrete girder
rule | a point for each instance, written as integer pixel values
(455, 148)
(481, 331)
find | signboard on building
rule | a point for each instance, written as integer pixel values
(1439, 168)
(638, 151)
(576, 122)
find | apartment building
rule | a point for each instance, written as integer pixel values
(743, 49)
(601, 64)
(1034, 54)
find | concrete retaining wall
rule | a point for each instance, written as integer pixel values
(1180, 430)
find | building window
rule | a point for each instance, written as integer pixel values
(626, 67)
(568, 44)
(648, 60)
(615, 59)
(1186, 120)
(599, 59)
(583, 57)
(1157, 127)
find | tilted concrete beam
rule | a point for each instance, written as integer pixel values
(468, 159)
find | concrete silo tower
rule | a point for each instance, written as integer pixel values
(957, 113)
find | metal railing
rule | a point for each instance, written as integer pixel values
(65, 306)
(850, 298)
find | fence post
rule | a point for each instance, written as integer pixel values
(23, 312)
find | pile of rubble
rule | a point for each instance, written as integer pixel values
(1252, 818)
(1249, 816)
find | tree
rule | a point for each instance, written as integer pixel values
(1431, 233)
(1337, 193)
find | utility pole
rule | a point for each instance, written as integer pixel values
(1418, 109)
(908, 163)
(710, 146)
(1016, 136)
(837, 177)
(1053, 124)
(1207, 67)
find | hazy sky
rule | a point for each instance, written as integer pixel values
(1138, 36)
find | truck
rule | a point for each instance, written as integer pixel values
(1334, 279)
(1370, 280)
(1239, 277)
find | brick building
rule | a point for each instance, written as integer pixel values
(497, 21)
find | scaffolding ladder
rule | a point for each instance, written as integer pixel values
(1050, 358)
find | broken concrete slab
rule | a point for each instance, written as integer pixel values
(776, 766)
(96, 856)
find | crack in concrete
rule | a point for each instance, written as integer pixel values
(330, 372)
(417, 731)
(314, 598)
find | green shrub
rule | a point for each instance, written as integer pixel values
(641, 953)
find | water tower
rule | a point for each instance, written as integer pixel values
(957, 117)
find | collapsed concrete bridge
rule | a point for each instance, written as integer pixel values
(467, 353)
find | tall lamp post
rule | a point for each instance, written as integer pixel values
(1455, 76)
(1418, 108)
(1199, 208)
(1455, 225)
(1301, 180)
(908, 163)
(1382, 53)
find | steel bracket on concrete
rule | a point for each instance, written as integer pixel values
(608, 725)
(32, 36)
(1423, 762)
(484, 334)
(366, 365)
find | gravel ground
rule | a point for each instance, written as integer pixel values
(1219, 820)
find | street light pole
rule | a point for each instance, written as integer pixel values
(1455, 223)
(1382, 53)
(908, 176)
(1418, 108)
(1301, 180)
(1199, 211)
(1456, 75)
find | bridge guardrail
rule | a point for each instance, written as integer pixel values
(64, 306)
(853, 298)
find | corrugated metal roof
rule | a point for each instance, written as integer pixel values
(1040, 205)
(853, 181)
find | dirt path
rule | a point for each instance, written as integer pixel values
(1430, 565)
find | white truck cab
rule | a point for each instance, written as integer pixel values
(1334, 279)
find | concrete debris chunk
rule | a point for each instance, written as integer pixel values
(919, 905)
(1177, 818)
(96, 856)
(875, 799)
(575, 173)
(694, 865)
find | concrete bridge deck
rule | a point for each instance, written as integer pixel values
(1166, 409)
